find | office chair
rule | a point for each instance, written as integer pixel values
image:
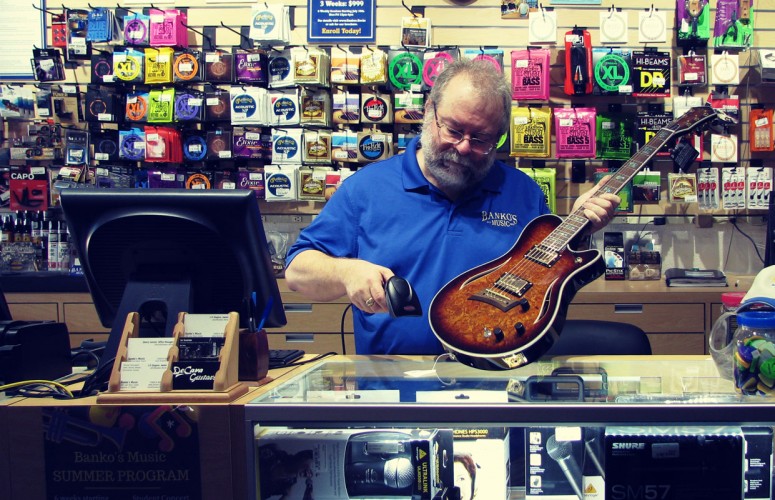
(589, 337)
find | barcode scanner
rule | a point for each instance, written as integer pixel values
(401, 299)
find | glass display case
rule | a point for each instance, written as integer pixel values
(663, 394)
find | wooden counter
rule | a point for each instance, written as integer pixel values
(677, 319)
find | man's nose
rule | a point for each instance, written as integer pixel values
(464, 146)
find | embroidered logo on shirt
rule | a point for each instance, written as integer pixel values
(499, 219)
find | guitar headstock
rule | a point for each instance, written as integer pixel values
(700, 117)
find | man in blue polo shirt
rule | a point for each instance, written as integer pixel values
(443, 207)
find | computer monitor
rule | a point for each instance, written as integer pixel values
(164, 251)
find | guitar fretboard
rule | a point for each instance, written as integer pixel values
(576, 221)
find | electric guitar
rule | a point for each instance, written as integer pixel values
(507, 312)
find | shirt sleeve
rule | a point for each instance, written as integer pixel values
(333, 231)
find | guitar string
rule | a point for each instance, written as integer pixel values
(558, 239)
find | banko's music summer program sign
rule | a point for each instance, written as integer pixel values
(351, 21)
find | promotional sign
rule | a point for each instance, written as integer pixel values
(351, 21)
(114, 452)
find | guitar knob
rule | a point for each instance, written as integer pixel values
(524, 304)
(498, 334)
(520, 329)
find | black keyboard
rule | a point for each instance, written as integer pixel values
(283, 357)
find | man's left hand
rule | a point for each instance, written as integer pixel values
(598, 208)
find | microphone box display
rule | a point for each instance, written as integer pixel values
(564, 463)
(328, 464)
(674, 463)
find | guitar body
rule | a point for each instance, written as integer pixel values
(506, 313)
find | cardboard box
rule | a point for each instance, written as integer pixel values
(354, 463)
(613, 253)
(644, 266)
(673, 463)
(554, 463)
(758, 463)
(481, 463)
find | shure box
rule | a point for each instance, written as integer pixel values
(673, 463)
(328, 464)
(758, 463)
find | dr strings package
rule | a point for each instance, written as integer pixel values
(546, 178)
(531, 132)
(530, 74)
(578, 62)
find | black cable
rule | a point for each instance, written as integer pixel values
(311, 360)
(753, 243)
(341, 328)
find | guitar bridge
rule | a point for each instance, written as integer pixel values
(505, 293)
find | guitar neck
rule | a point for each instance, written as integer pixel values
(576, 221)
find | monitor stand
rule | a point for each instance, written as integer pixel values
(162, 299)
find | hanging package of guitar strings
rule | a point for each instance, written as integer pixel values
(408, 107)
(310, 65)
(317, 147)
(279, 69)
(434, 62)
(530, 74)
(281, 182)
(682, 188)
(161, 103)
(648, 123)
(725, 69)
(76, 147)
(346, 108)
(78, 48)
(286, 145)
(283, 107)
(734, 24)
(315, 106)
(723, 148)
(218, 66)
(189, 105)
(187, 65)
(250, 66)
(158, 64)
(651, 73)
(625, 193)
(374, 66)
(578, 62)
(708, 193)
(137, 29)
(612, 75)
(270, 23)
(759, 187)
(575, 131)
(248, 143)
(692, 69)
(614, 134)
(546, 178)
(732, 188)
(693, 20)
(646, 186)
(247, 105)
(128, 65)
(219, 143)
(47, 65)
(131, 144)
(405, 70)
(102, 67)
(101, 24)
(761, 130)
(531, 134)
(345, 67)
(493, 56)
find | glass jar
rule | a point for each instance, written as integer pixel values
(720, 343)
(754, 358)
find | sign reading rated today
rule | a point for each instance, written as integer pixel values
(351, 21)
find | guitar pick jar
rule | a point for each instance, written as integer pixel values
(754, 357)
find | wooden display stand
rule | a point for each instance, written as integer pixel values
(226, 386)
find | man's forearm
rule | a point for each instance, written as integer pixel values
(316, 275)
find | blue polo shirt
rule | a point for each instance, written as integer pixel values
(387, 213)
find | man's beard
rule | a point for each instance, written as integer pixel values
(451, 170)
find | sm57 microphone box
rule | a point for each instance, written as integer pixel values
(329, 464)
(674, 463)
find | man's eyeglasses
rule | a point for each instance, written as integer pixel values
(455, 137)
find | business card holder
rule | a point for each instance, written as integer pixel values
(225, 386)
